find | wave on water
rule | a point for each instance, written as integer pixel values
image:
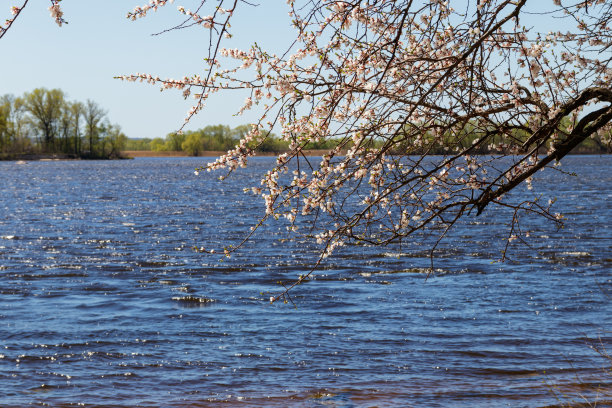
(103, 300)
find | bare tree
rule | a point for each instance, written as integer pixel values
(93, 115)
(77, 111)
(14, 129)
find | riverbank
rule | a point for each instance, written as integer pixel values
(310, 153)
(54, 156)
(36, 156)
(130, 154)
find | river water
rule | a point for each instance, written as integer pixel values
(104, 302)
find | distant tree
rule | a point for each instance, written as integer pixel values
(240, 131)
(158, 145)
(270, 144)
(174, 142)
(77, 113)
(93, 115)
(15, 132)
(193, 143)
(45, 109)
(217, 138)
(113, 141)
(65, 127)
(138, 144)
(5, 130)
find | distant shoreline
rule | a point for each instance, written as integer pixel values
(131, 154)
(52, 157)
(310, 153)
(37, 157)
(207, 153)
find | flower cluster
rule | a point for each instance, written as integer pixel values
(141, 11)
(15, 10)
(56, 12)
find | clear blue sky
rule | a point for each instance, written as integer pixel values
(82, 57)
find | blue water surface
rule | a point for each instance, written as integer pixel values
(104, 302)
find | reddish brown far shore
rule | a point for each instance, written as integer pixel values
(208, 153)
(151, 153)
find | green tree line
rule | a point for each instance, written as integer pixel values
(482, 138)
(209, 138)
(223, 138)
(44, 121)
(215, 138)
